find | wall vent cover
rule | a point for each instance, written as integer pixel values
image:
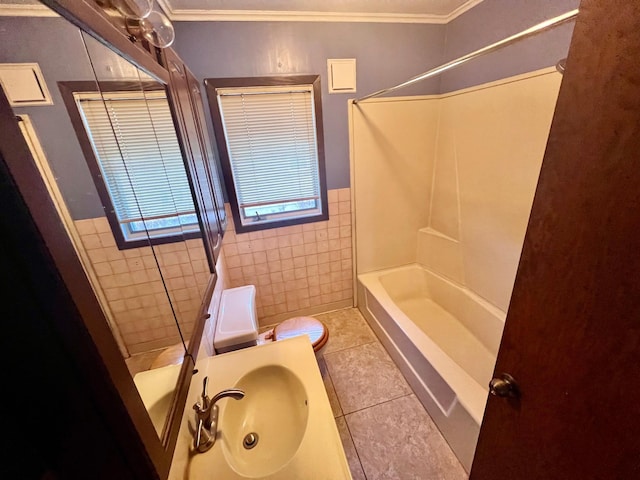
(342, 75)
(24, 84)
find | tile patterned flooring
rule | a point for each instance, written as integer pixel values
(385, 431)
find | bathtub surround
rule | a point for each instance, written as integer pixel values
(392, 154)
(297, 270)
(133, 287)
(462, 171)
(491, 142)
(474, 168)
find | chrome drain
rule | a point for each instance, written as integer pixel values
(250, 440)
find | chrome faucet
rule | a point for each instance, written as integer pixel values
(207, 416)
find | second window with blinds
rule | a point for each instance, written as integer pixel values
(270, 138)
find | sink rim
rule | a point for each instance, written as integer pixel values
(224, 371)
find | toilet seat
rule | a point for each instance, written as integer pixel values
(294, 327)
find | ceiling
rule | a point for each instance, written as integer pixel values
(392, 11)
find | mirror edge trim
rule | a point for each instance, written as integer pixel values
(172, 428)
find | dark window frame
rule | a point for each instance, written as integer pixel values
(211, 84)
(67, 89)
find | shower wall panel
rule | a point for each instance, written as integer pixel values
(491, 142)
(448, 181)
(392, 151)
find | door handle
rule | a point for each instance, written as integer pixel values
(504, 385)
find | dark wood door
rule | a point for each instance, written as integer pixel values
(572, 337)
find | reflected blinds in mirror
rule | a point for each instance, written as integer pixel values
(140, 160)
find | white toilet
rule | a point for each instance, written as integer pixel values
(237, 325)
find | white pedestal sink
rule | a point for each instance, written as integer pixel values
(285, 405)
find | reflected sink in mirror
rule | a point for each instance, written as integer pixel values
(156, 388)
(285, 404)
(275, 409)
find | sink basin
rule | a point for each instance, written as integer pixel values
(285, 406)
(275, 407)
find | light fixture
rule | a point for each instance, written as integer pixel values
(155, 28)
(133, 9)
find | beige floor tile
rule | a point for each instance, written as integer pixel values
(397, 440)
(173, 355)
(349, 450)
(347, 328)
(141, 362)
(331, 391)
(364, 376)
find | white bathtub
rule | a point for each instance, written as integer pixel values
(445, 340)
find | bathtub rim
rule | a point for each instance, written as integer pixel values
(469, 393)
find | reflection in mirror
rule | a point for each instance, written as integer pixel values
(195, 94)
(140, 176)
(152, 283)
(208, 199)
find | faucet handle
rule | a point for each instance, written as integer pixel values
(205, 397)
(205, 383)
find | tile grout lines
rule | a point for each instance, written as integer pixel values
(351, 347)
(378, 404)
(354, 447)
(346, 424)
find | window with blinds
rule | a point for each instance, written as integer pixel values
(270, 148)
(140, 162)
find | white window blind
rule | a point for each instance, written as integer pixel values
(140, 160)
(270, 134)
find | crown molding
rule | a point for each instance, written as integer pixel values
(465, 7)
(189, 15)
(206, 15)
(21, 10)
(296, 16)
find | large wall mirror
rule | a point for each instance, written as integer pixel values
(112, 160)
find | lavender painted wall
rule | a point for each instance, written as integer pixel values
(57, 47)
(386, 54)
(493, 20)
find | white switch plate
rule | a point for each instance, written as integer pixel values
(342, 75)
(24, 84)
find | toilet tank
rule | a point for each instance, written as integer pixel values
(237, 325)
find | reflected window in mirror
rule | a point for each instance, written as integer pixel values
(144, 303)
(136, 165)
